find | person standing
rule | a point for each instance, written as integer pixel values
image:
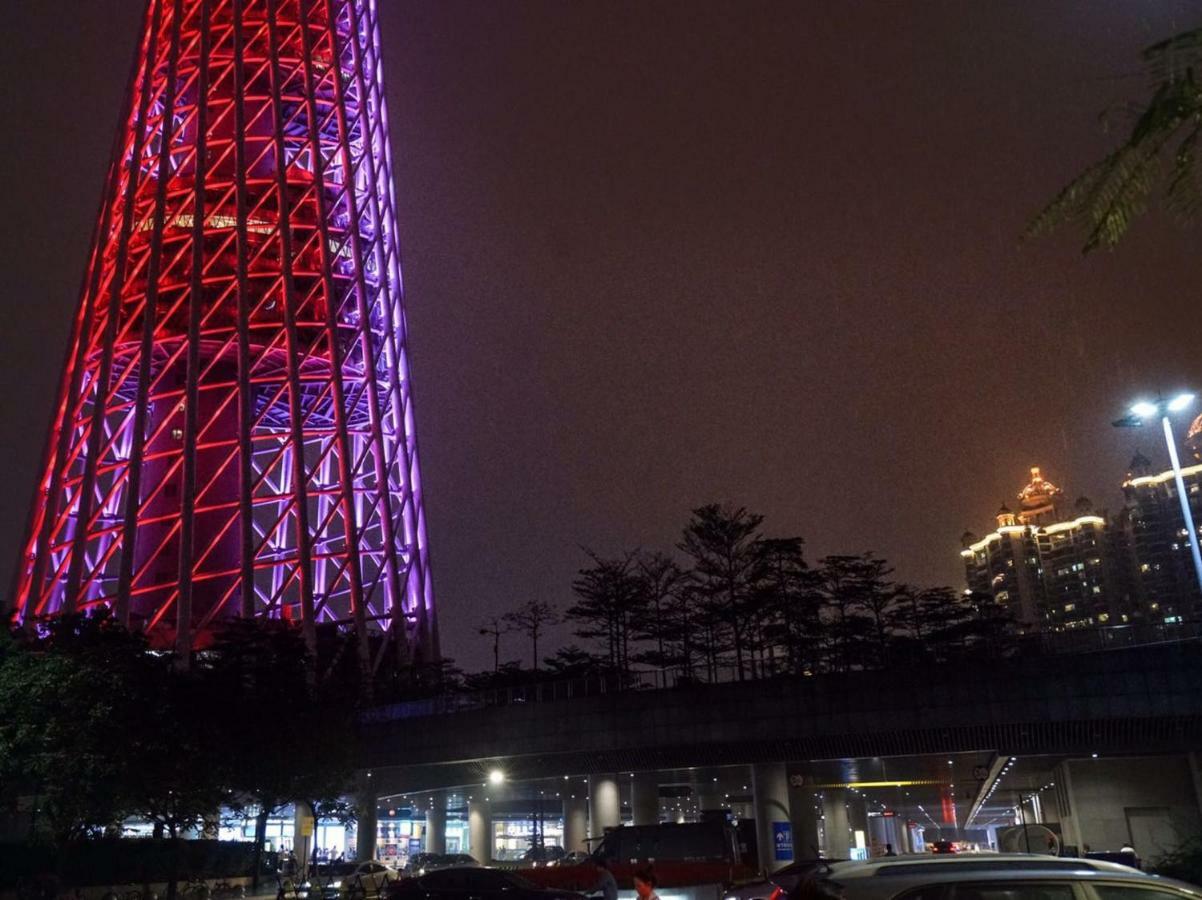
(645, 883)
(607, 885)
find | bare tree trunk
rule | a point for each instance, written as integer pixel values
(260, 838)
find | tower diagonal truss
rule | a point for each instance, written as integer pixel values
(234, 431)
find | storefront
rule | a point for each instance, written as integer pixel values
(513, 837)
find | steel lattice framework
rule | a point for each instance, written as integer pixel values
(234, 430)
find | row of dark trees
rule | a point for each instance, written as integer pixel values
(735, 602)
(95, 728)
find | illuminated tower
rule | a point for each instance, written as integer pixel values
(234, 431)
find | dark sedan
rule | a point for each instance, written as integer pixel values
(473, 884)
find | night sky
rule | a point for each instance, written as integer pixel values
(662, 252)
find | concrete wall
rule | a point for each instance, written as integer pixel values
(1151, 802)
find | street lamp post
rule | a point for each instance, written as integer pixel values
(1163, 408)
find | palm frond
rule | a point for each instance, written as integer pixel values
(1108, 196)
(1171, 59)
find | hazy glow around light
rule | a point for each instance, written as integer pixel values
(496, 776)
(1144, 409)
(1180, 402)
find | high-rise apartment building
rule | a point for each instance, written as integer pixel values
(1055, 571)
(1050, 570)
(1163, 575)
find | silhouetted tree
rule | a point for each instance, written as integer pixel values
(879, 601)
(610, 606)
(572, 661)
(660, 580)
(843, 581)
(790, 605)
(496, 628)
(287, 736)
(723, 545)
(532, 619)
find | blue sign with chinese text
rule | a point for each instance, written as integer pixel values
(782, 839)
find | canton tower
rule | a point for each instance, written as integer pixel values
(234, 432)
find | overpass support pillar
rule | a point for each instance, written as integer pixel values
(837, 828)
(575, 822)
(604, 804)
(804, 810)
(479, 831)
(366, 825)
(773, 828)
(436, 823)
(644, 798)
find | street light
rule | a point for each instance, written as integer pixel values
(1146, 409)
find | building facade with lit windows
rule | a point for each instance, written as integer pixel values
(1163, 575)
(1051, 571)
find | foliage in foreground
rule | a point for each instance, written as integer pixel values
(96, 727)
(1184, 863)
(1159, 153)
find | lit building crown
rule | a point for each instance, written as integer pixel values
(1038, 499)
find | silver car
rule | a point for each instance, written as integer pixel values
(988, 877)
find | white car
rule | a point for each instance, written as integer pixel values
(366, 880)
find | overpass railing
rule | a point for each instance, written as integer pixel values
(1083, 640)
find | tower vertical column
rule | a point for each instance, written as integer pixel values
(773, 822)
(604, 804)
(436, 823)
(644, 798)
(836, 823)
(479, 831)
(366, 825)
(804, 810)
(575, 822)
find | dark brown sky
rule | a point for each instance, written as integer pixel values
(663, 251)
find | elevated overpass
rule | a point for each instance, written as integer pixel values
(1113, 701)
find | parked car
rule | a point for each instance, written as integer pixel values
(783, 880)
(432, 862)
(575, 858)
(477, 883)
(546, 855)
(367, 879)
(987, 877)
